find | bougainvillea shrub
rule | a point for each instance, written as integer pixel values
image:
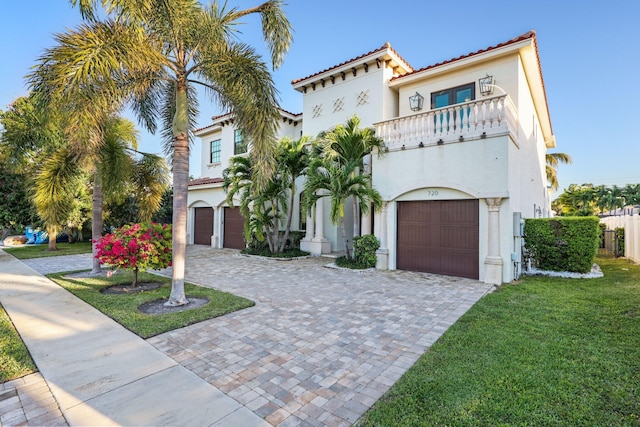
(137, 247)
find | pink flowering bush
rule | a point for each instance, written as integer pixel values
(137, 247)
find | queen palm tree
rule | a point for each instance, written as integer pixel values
(152, 55)
(349, 143)
(339, 181)
(553, 160)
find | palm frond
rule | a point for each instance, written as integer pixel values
(151, 181)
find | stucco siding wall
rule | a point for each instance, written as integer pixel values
(504, 71)
(361, 95)
(527, 179)
(477, 167)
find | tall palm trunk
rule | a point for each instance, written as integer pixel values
(343, 229)
(96, 222)
(180, 188)
(289, 217)
(52, 231)
(356, 217)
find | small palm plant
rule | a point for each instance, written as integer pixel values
(338, 181)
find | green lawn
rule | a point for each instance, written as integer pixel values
(123, 307)
(41, 251)
(544, 352)
(15, 360)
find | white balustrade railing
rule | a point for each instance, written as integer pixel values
(489, 115)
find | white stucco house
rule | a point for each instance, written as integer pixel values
(464, 161)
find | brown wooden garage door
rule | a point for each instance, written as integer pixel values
(233, 229)
(439, 237)
(203, 226)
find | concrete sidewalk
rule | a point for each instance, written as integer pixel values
(99, 372)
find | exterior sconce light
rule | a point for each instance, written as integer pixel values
(486, 85)
(416, 101)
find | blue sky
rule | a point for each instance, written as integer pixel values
(589, 53)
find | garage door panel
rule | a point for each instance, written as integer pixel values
(453, 237)
(417, 259)
(203, 226)
(233, 229)
(420, 235)
(460, 264)
(439, 236)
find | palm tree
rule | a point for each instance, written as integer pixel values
(348, 143)
(153, 54)
(54, 191)
(553, 160)
(338, 181)
(293, 159)
(116, 168)
(264, 208)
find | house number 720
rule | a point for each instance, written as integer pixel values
(432, 192)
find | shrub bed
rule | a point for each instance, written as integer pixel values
(562, 244)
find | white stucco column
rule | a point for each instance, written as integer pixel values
(493, 262)
(383, 252)
(308, 235)
(190, 215)
(320, 220)
(366, 224)
(318, 244)
(215, 239)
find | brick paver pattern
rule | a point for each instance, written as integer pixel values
(321, 345)
(28, 401)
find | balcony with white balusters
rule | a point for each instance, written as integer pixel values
(471, 120)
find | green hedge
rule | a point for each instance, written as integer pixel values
(563, 243)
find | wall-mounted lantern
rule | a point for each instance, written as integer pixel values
(486, 85)
(416, 101)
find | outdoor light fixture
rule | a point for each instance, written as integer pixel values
(416, 101)
(486, 85)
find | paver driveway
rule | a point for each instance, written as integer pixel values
(321, 345)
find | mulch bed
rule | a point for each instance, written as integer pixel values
(157, 306)
(128, 289)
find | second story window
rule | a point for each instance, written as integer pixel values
(215, 151)
(240, 144)
(454, 95)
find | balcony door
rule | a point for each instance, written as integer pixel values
(452, 96)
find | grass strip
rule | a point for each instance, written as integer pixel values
(42, 251)
(15, 360)
(123, 308)
(544, 352)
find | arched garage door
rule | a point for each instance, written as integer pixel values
(233, 229)
(439, 236)
(203, 226)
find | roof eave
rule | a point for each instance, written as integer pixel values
(385, 53)
(459, 63)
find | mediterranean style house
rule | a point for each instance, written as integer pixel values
(464, 160)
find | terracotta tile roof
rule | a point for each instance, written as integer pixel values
(204, 181)
(215, 118)
(384, 47)
(525, 36)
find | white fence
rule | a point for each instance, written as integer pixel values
(631, 225)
